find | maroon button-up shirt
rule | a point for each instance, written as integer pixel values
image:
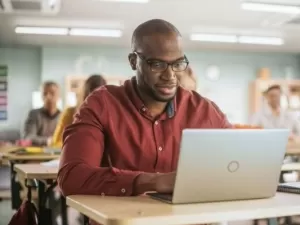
(114, 120)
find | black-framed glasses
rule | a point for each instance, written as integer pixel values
(159, 66)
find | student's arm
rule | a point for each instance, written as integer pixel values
(64, 120)
(31, 130)
(83, 148)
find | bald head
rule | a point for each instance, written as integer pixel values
(158, 58)
(152, 27)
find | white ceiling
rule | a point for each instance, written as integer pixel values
(214, 16)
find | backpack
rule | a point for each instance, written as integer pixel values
(26, 215)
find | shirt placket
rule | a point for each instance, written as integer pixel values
(159, 143)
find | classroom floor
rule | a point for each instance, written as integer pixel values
(5, 212)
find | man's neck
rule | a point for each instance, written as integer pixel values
(275, 111)
(155, 108)
(51, 111)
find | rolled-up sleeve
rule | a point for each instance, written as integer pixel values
(83, 150)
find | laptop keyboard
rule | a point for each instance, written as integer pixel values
(167, 197)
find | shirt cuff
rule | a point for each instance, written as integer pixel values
(125, 181)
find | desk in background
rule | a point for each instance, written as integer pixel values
(46, 177)
(293, 147)
(14, 158)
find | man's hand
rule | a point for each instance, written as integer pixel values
(165, 183)
(159, 182)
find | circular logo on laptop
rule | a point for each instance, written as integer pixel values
(233, 166)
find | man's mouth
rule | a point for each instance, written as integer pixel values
(166, 89)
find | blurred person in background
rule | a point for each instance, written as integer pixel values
(40, 123)
(273, 116)
(189, 81)
(92, 83)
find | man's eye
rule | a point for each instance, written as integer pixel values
(157, 64)
(179, 64)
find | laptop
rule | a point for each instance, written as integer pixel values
(227, 164)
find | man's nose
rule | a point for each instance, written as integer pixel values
(169, 74)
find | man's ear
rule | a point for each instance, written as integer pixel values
(132, 60)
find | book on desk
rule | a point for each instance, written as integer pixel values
(293, 187)
(37, 151)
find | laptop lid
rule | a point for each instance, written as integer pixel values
(229, 164)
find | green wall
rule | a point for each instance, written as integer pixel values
(29, 66)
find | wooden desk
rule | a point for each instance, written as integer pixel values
(9, 148)
(293, 147)
(291, 167)
(30, 157)
(14, 158)
(6, 150)
(42, 173)
(146, 211)
(36, 171)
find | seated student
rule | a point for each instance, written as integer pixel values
(40, 123)
(273, 116)
(66, 118)
(133, 131)
(189, 81)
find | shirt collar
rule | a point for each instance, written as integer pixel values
(268, 111)
(131, 89)
(46, 113)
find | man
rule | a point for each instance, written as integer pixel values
(134, 130)
(40, 123)
(273, 115)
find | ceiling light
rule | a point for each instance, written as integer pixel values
(52, 3)
(95, 32)
(289, 9)
(214, 38)
(260, 40)
(42, 30)
(128, 1)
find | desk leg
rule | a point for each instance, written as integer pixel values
(15, 189)
(85, 220)
(64, 213)
(45, 213)
(288, 220)
(41, 201)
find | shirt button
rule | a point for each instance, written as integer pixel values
(160, 148)
(123, 190)
(156, 122)
(143, 109)
(102, 194)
